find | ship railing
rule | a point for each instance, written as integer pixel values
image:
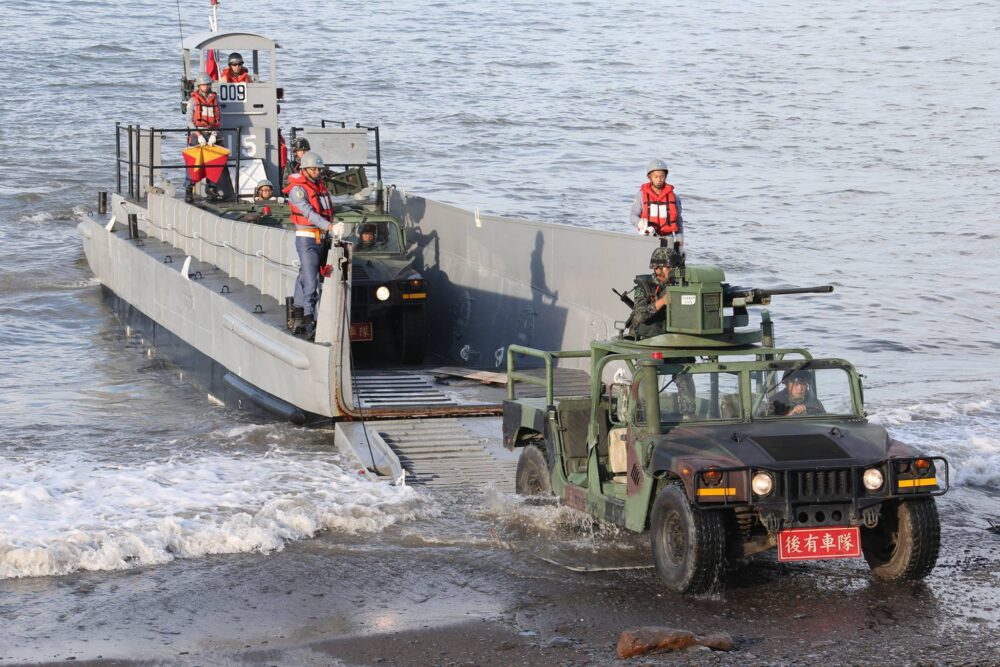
(139, 155)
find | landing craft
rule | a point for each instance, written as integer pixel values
(205, 283)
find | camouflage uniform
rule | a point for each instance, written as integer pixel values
(647, 320)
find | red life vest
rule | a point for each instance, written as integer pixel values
(206, 110)
(229, 77)
(660, 210)
(319, 198)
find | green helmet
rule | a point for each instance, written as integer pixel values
(202, 79)
(799, 376)
(657, 165)
(667, 257)
(235, 58)
(311, 159)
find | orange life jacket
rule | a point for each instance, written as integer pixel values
(660, 210)
(319, 198)
(229, 77)
(206, 110)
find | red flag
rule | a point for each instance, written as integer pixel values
(211, 64)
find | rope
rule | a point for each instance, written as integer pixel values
(259, 254)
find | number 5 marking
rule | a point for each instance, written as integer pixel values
(249, 145)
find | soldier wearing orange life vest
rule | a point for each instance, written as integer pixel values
(312, 212)
(235, 73)
(656, 209)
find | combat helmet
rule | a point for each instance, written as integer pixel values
(235, 58)
(202, 79)
(667, 257)
(261, 184)
(798, 376)
(311, 159)
(301, 144)
(657, 165)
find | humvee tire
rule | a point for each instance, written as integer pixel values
(532, 477)
(689, 545)
(904, 545)
(411, 337)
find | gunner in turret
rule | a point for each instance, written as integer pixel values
(649, 312)
(656, 209)
(312, 212)
(235, 73)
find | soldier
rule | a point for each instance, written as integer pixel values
(265, 193)
(312, 212)
(797, 397)
(366, 236)
(656, 209)
(649, 315)
(649, 312)
(235, 73)
(204, 118)
(300, 145)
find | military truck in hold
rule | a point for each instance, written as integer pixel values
(722, 445)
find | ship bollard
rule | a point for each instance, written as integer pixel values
(133, 225)
(102, 202)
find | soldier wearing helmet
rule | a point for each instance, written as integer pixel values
(649, 313)
(798, 397)
(366, 236)
(235, 73)
(300, 146)
(312, 212)
(204, 118)
(264, 192)
(656, 209)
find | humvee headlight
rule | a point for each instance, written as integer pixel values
(382, 293)
(872, 479)
(762, 483)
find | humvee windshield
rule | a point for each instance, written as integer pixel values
(386, 236)
(717, 395)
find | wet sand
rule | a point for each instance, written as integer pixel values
(489, 599)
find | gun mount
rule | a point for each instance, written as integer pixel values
(695, 314)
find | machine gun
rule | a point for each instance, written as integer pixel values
(751, 296)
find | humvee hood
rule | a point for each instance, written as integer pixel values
(778, 445)
(380, 269)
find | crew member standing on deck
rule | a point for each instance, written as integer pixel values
(235, 73)
(312, 212)
(656, 209)
(204, 119)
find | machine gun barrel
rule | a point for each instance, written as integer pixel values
(748, 296)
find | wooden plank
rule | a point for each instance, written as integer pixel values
(485, 377)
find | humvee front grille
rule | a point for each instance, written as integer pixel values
(822, 484)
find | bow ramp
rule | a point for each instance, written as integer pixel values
(434, 452)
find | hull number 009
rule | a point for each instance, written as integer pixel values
(232, 92)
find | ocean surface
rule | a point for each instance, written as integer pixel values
(849, 143)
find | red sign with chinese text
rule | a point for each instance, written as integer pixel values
(819, 543)
(362, 332)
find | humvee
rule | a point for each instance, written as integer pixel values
(696, 440)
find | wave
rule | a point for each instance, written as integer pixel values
(79, 514)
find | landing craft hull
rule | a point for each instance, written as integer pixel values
(495, 281)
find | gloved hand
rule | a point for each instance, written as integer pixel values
(212, 138)
(336, 228)
(647, 230)
(201, 139)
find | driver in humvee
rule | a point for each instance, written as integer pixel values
(797, 398)
(366, 236)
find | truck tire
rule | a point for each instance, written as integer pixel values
(532, 477)
(689, 544)
(411, 335)
(904, 545)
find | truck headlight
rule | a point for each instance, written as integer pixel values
(382, 293)
(872, 479)
(762, 483)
